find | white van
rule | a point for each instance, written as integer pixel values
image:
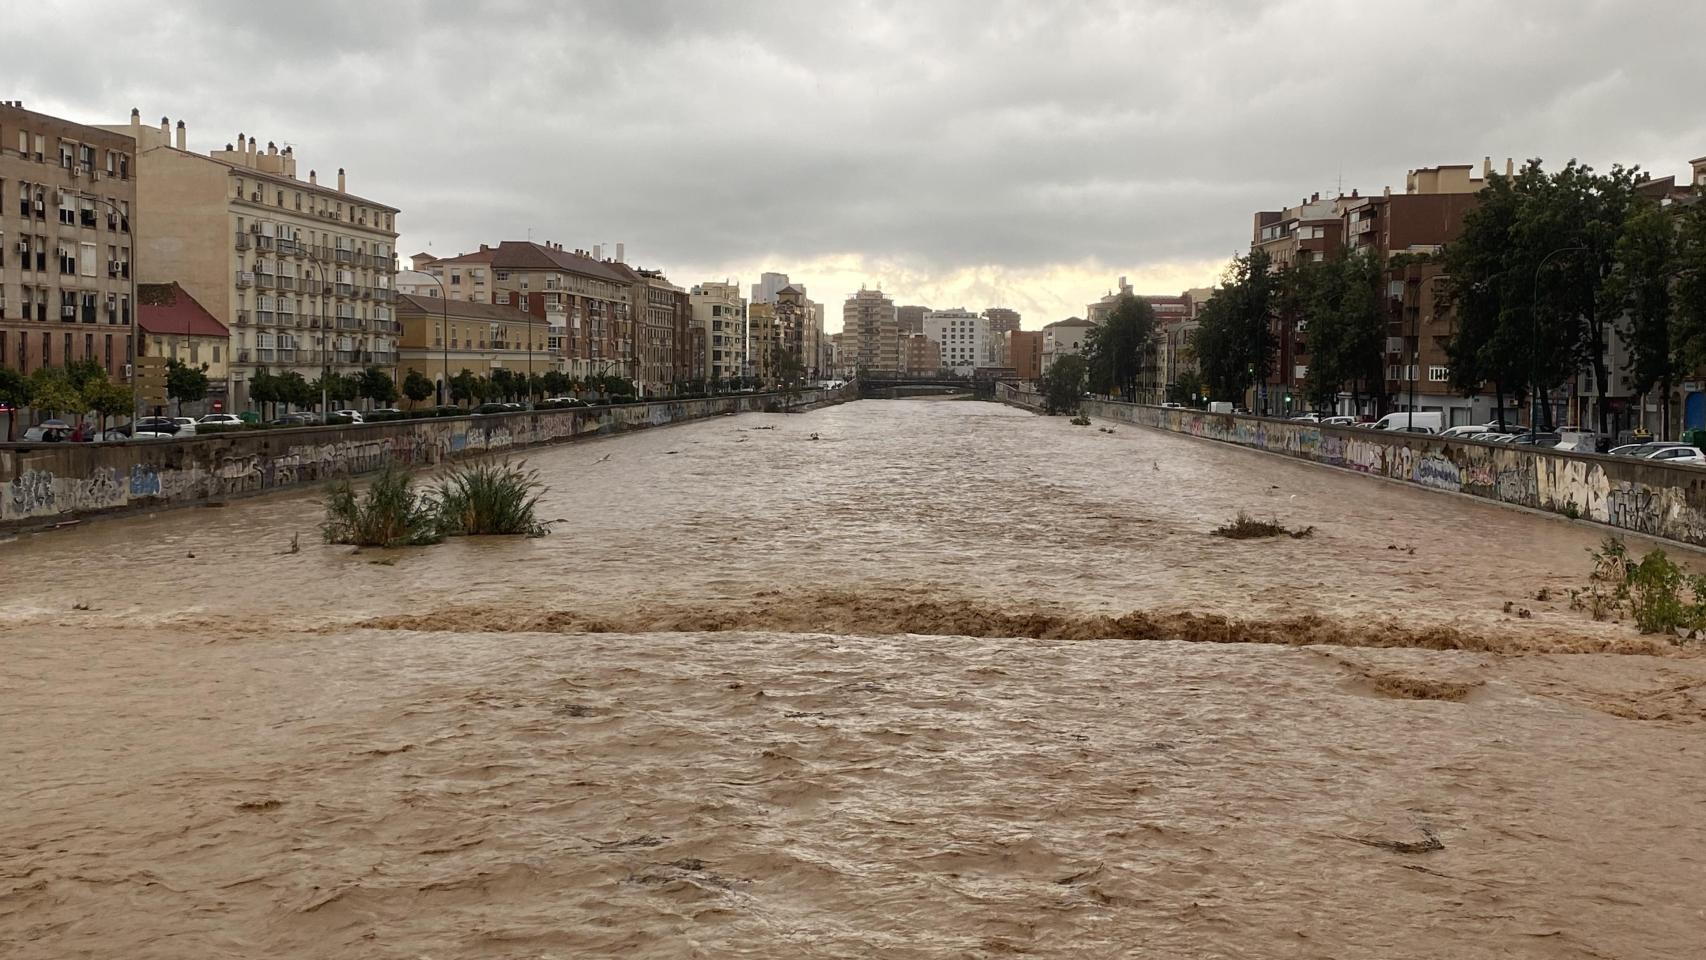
(1412, 421)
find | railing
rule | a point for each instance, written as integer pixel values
(245, 279)
(242, 240)
(242, 318)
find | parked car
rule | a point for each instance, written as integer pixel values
(1491, 436)
(1463, 431)
(1680, 453)
(157, 424)
(186, 426)
(1642, 449)
(1535, 439)
(1338, 421)
(1308, 417)
(48, 431)
(1173, 406)
(492, 408)
(1431, 422)
(297, 420)
(387, 411)
(343, 416)
(221, 420)
(152, 435)
(1578, 441)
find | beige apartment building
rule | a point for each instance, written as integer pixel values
(586, 301)
(870, 332)
(67, 193)
(482, 337)
(763, 339)
(920, 356)
(662, 309)
(299, 270)
(719, 314)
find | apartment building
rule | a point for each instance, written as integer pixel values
(870, 332)
(665, 308)
(1064, 337)
(1419, 221)
(1023, 353)
(1312, 230)
(719, 317)
(920, 356)
(910, 319)
(586, 301)
(173, 325)
(763, 339)
(67, 197)
(1095, 313)
(963, 336)
(300, 271)
(441, 337)
(1002, 321)
(793, 324)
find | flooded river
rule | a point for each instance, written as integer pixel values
(899, 679)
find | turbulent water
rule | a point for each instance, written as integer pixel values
(911, 679)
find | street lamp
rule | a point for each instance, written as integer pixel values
(1534, 335)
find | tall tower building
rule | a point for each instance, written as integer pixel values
(870, 332)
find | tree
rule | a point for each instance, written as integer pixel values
(81, 372)
(1487, 346)
(184, 382)
(377, 385)
(295, 390)
(503, 384)
(1063, 384)
(265, 391)
(790, 373)
(16, 392)
(106, 399)
(1641, 284)
(555, 383)
(464, 387)
(1346, 327)
(1187, 389)
(53, 393)
(1689, 294)
(1234, 345)
(417, 387)
(1115, 349)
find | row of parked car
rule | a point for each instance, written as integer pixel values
(1573, 439)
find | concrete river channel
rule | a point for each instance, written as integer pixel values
(898, 679)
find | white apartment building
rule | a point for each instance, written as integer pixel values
(1064, 337)
(963, 337)
(720, 314)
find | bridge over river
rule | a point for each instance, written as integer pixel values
(892, 678)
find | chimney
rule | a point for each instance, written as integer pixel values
(1315, 196)
(272, 149)
(621, 253)
(340, 179)
(484, 248)
(135, 123)
(183, 135)
(251, 152)
(166, 129)
(314, 180)
(1486, 167)
(1510, 167)
(1388, 191)
(1353, 193)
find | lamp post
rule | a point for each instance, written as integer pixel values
(1534, 336)
(135, 308)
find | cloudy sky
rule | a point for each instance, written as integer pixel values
(972, 153)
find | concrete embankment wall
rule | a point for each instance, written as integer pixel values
(1635, 495)
(49, 483)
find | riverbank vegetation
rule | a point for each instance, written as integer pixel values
(1657, 593)
(1246, 527)
(482, 499)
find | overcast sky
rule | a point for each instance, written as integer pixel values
(955, 153)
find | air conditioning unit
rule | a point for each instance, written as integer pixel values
(41, 209)
(68, 311)
(256, 196)
(127, 371)
(112, 266)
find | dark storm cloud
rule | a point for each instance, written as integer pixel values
(945, 135)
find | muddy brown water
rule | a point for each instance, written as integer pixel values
(948, 681)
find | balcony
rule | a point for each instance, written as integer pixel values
(265, 356)
(343, 256)
(245, 279)
(263, 243)
(264, 318)
(243, 356)
(345, 289)
(287, 283)
(265, 281)
(289, 248)
(286, 356)
(242, 318)
(242, 240)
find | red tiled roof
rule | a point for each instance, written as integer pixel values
(166, 308)
(522, 255)
(462, 309)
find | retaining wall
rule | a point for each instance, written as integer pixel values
(1636, 495)
(48, 483)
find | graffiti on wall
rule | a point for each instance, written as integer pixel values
(1633, 495)
(78, 479)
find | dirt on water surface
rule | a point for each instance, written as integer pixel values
(947, 681)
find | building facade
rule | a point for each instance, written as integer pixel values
(719, 317)
(1002, 321)
(300, 271)
(482, 337)
(586, 302)
(920, 356)
(870, 333)
(68, 194)
(1024, 353)
(1064, 337)
(173, 325)
(910, 319)
(963, 336)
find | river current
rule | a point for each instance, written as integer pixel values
(900, 679)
